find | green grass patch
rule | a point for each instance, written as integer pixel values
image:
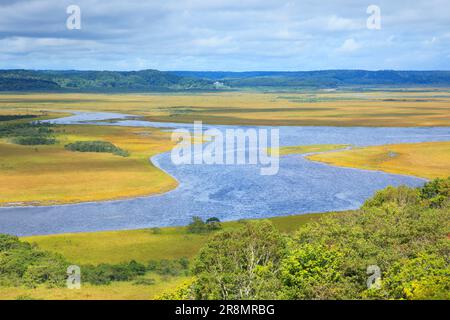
(96, 146)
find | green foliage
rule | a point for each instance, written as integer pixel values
(402, 231)
(33, 141)
(107, 273)
(323, 78)
(400, 196)
(98, 81)
(8, 242)
(240, 264)
(16, 117)
(427, 276)
(104, 274)
(183, 292)
(436, 193)
(156, 230)
(199, 226)
(23, 264)
(213, 224)
(96, 146)
(28, 134)
(144, 282)
(49, 269)
(310, 271)
(169, 267)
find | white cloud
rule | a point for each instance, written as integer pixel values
(222, 34)
(349, 45)
(336, 23)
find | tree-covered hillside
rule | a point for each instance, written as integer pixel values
(98, 81)
(153, 80)
(325, 78)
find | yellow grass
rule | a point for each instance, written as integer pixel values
(428, 160)
(394, 108)
(311, 148)
(50, 174)
(114, 291)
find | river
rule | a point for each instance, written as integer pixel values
(229, 192)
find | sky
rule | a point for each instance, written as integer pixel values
(225, 35)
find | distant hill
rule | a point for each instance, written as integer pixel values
(154, 80)
(98, 81)
(325, 78)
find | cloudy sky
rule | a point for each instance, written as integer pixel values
(232, 35)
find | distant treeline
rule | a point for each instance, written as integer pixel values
(98, 81)
(158, 81)
(16, 117)
(325, 78)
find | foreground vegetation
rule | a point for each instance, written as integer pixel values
(401, 232)
(428, 160)
(134, 264)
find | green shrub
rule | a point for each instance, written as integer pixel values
(199, 226)
(106, 273)
(96, 146)
(402, 231)
(28, 134)
(436, 193)
(33, 140)
(144, 282)
(240, 264)
(24, 264)
(169, 267)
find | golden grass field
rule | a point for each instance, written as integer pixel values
(404, 107)
(116, 291)
(42, 175)
(428, 160)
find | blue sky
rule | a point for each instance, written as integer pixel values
(229, 35)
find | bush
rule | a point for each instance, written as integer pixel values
(96, 146)
(144, 282)
(169, 267)
(156, 230)
(50, 269)
(28, 133)
(199, 226)
(23, 264)
(436, 193)
(106, 273)
(33, 141)
(240, 264)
